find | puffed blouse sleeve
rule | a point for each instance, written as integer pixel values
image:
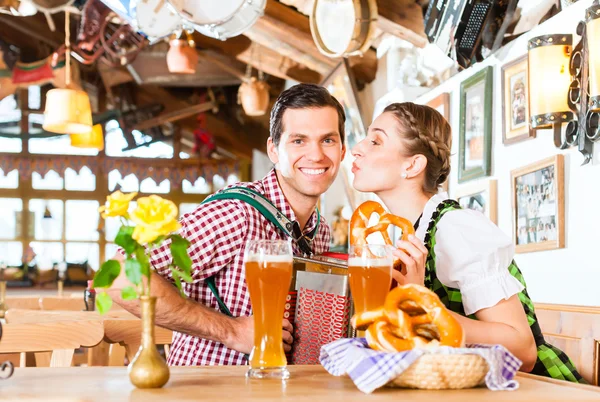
(473, 255)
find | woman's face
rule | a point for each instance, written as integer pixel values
(379, 158)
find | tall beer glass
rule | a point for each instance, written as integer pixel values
(370, 275)
(268, 266)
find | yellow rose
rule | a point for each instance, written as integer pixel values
(154, 217)
(117, 204)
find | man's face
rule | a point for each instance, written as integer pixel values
(310, 150)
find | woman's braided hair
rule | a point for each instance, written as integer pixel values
(425, 131)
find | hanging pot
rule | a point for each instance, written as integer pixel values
(181, 58)
(254, 97)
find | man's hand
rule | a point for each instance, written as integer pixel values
(242, 338)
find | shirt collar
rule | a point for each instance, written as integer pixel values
(274, 193)
(428, 211)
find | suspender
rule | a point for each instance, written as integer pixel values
(269, 211)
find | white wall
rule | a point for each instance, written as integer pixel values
(565, 276)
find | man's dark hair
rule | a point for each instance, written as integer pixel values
(303, 96)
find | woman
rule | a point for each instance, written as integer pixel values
(457, 253)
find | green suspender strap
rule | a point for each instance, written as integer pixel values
(269, 211)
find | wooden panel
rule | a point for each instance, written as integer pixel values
(575, 330)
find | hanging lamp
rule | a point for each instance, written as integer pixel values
(68, 111)
(94, 139)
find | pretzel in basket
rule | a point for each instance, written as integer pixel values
(359, 230)
(412, 316)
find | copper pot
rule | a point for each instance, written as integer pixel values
(181, 57)
(254, 97)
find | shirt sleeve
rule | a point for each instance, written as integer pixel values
(216, 232)
(473, 255)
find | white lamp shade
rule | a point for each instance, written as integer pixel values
(68, 111)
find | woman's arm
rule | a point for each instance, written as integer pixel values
(504, 324)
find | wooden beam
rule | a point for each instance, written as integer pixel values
(403, 19)
(270, 61)
(175, 115)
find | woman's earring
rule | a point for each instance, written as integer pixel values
(404, 175)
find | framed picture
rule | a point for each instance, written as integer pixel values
(441, 103)
(515, 102)
(475, 141)
(480, 196)
(539, 205)
(341, 84)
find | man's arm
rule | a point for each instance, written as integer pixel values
(187, 316)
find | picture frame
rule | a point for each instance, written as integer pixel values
(539, 205)
(441, 103)
(475, 130)
(515, 102)
(480, 196)
(341, 84)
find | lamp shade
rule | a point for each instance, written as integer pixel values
(68, 111)
(592, 19)
(94, 139)
(549, 79)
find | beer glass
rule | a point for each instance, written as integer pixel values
(370, 275)
(268, 265)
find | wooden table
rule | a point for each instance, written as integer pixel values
(308, 383)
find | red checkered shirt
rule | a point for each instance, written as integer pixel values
(218, 232)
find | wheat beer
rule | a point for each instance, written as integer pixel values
(370, 281)
(268, 278)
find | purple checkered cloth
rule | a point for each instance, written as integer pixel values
(370, 369)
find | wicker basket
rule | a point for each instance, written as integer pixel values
(436, 371)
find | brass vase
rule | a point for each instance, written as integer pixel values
(148, 368)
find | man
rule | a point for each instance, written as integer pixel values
(306, 144)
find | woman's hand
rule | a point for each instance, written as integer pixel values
(413, 255)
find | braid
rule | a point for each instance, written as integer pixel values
(428, 133)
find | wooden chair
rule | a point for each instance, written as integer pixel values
(575, 330)
(53, 343)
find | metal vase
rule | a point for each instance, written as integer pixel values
(148, 368)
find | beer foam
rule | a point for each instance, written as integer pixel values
(369, 262)
(257, 257)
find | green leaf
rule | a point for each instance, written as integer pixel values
(140, 255)
(176, 277)
(106, 275)
(133, 270)
(181, 259)
(183, 275)
(125, 240)
(103, 303)
(128, 293)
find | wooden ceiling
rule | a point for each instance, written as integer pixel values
(280, 44)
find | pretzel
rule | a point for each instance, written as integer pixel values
(412, 316)
(359, 230)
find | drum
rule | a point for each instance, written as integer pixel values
(343, 27)
(220, 19)
(153, 18)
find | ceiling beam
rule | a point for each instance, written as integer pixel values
(404, 19)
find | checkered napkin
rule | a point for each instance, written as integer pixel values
(370, 369)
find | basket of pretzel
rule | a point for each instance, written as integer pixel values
(413, 317)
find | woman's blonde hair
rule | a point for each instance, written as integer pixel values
(425, 131)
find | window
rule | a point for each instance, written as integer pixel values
(11, 253)
(10, 215)
(112, 225)
(200, 186)
(10, 180)
(82, 220)
(115, 143)
(186, 208)
(47, 254)
(34, 97)
(58, 145)
(85, 180)
(48, 219)
(128, 184)
(148, 185)
(79, 253)
(218, 182)
(51, 181)
(232, 179)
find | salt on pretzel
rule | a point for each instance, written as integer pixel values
(359, 230)
(412, 316)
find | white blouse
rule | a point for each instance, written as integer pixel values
(472, 255)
